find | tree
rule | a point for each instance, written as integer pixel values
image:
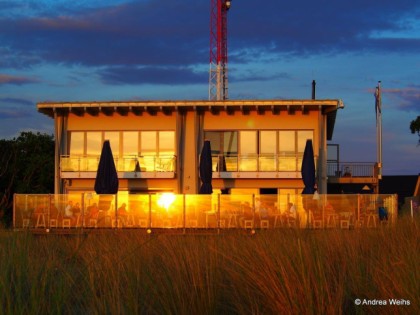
(26, 167)
(415, 127)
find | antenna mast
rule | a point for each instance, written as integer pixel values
(218, 82)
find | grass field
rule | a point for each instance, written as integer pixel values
(283, 271)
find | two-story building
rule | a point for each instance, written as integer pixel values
(257, 145)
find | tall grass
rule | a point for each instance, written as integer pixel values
(272, 272)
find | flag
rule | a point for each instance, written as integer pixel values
(378, 101)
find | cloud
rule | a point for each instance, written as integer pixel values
(253, 75)
(141, 33)
(16, 101)
(15, 80)
(175, 32)
(314, 27)
(407, 99)
(151, 75)
(8, 113)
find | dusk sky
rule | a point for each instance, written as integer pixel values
(100, 50)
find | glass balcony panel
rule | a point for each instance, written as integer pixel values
(248, 163)
(267, 163)
(231, 163)
(287, 163)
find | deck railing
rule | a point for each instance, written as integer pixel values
(213, 212)
(152, 163)
(289, 162)
(351, 169)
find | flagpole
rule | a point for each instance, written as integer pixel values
(379, 129)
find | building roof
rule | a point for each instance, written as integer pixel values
(328, 107)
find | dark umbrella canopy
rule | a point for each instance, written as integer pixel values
(106, 177)
(308, 169)
(206, 169)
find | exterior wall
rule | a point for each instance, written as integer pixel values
(189, 127)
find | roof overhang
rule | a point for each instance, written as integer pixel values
(327, 107)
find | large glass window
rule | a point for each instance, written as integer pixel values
(268, 150)
(265, 150)
(166, 143)
(114, 141)
(93, 150)
(148, 143)
(153, 149)
(130, 150)
(130, 143)
(93, 143)
(302, 136)
(77, 143)
(224, 149)
(287, 150)
(248, 158)
(230, 143)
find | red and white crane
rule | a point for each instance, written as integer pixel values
(218, 79)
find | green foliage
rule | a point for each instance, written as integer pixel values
(26, 167)
(283, 271)
(415, 127)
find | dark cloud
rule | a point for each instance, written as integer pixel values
(15, 80)
(156, 32)
(151, 75)
(310, 27)
(254, 75)
(176, 33)
(16, 101)
(406, 99)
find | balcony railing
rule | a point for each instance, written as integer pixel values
(162, 163)
(181, 212)
(351, 169)
(285, 162)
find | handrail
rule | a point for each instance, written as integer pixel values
(289, 162)
(141, 163)
(351, 169)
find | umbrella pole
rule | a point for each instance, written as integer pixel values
(116, 211)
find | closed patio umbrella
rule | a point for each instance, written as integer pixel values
(308, 168)
(308, 177)
(106, 181)
(206, 169)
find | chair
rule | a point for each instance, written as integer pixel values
(143, 222)
(193, 223)
(66, 223)
(93, 222)
(53, 223)
(40, 220)
(316, 220)
(345, 220)
(264, 224)
(116, 223)
(26, 222)
(331, 220)
(248, 224)
(370, 220)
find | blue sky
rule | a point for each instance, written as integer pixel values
(147, 49)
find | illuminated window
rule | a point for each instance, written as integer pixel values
(93, 143)
(268, 150)
(130, 143)
(148, 143)
(77, 143)
(287, 150)
(166, 143)
(248, 157)
(114, 141)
